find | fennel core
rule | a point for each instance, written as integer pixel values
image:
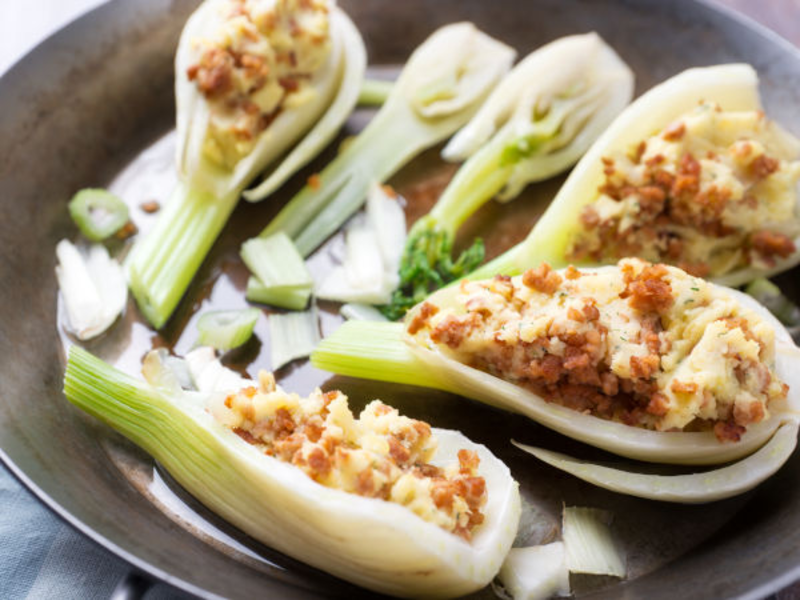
(541, 118)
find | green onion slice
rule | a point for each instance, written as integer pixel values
(374, 92)
(226, 329)
(98, 213)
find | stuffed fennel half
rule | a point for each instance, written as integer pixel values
(370, 499)
(259, 83)
(642, 360)
(442, 85)
(537, 123)
(691, 174)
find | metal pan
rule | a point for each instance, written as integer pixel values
(83, 106)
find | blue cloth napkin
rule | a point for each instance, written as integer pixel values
(42, 557)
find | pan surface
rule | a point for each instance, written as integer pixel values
(93, 106)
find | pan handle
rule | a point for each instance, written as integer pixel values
(132, 586)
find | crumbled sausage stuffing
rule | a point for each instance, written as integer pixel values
(380, 454)
(713, 192)
(260, 59)
(643, 344)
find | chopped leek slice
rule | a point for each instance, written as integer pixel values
(361, 312)
(373, 543)
(374, 92)
(98, 213)
(226, 329)
(292, 336)
(93, 287)
(164, 262)
(769, 294)
(535, 573)
(462, 64)
(538, 121)
(280, 274)
(294, 298)
(706, 486)
(588, 543)
(373, 245)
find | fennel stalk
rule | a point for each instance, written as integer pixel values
(442, 85)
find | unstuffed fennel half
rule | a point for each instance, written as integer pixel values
(388, 352)
(662, 114)
(377, 544)
(537, 123)
(442, 85)
(220, 149)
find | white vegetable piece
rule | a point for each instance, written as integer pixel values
(706, 486)
(387, 219)
(93, 287)
(161, 369)
(353, 311)
(588, 543)
(373, 247)
(292, 335)
(535, 573)
(209, 374)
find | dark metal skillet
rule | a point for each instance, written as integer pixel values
(86, 102)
